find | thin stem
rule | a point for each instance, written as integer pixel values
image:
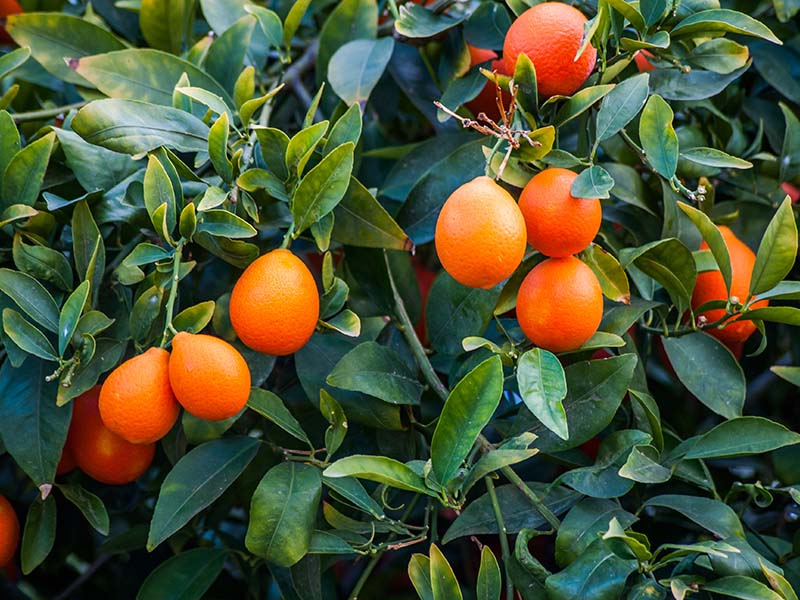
(373, 562)
(503, 532)
(46, 113)
(173, 292)
(85, 576)
(393, 9)
(413, 341)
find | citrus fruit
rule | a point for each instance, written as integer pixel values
(558, 224)
(275, 304)
(560, 304)
(136, 401)
(8, 7)
(210, 378)
(98, 451)
(486, 100)
(9, 531)
(711, 286)
(480, 234)
(67, 462)
(550, 35)
(640, 58)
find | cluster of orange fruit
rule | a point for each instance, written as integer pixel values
(550, 35)
(274, 309)
(481, 236)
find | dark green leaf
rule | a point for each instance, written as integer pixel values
(356, 67)
(621, 105)
(741, 436)
(418, 22)
(26, 336)
(360, 220)
(669, 262)
(659, 141)
(70, 314)
(223, 223)
(489, 578)
(31, 297)
(39, 534)
(271, 407)
(712, 515)
(185, 576)
(598, 573)
(583, 524)
(594, 182)
(90, 506)
(322, 188)
(226, 56)
(713, 238)
(777, 251)
(722, 20)
(25, 172)
(350, 20)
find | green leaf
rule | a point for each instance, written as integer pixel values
(642, 466)
(144, 75)
(360, 220)
(226, 56)
(597, 569)
(185, 576)
(271, 407)
(713, 515)
(380, 469)
(777, 251)
(594, 182)
(444, 584)
(351, 490)
(346, 129)
(134, 127)
(582, 525)
(356, 67)
(34, 300)
(52, 37)
(581, 101)
(722, 20)
(292, 21)
(738, 586)
(455, 311)
(70, 315)
(478, 517)
(218, 148)
(13, 60)
(322, 188)
(609, 273)
(468, 409)
(26, 336)
(543, 387)
(676, 84)
(164, 24)
(223, 223)
(417, 22)
(713, 238)
(659, 141)
(92, 508)
(489, 578)
(720, 55)
(711, 157)
(377, 371)
(158, 191)
(196, 481)
(94, 167)
(350, 20)
(487, 26)
(790, 374)
(419, 571)
(282, 513)
(774, 314)
(269, 22)
(88, 248)
(621, 105)
(302, 145)
(515, 450)
(669, 262)
(709, 371)
(525, 77)
(630, 12)
(42, 263)
(778, 582)
(39, 534)
(194, 318)
(25, 172)
(742, 436)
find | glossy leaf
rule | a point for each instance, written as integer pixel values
(597, 569)
(356, 67)
(713, 238)
(322, 188)
(621, 105)
(92, 508)
(712, 515)
(742, 436)
(609, 273)
(25, 172)
(582, 525)
(34, 300)
(26, 336)
(543, 387)
(489, 584)
(380, 469)
(185, 576)
(659, 141)
(271, 407)
(722, 20)
(777, 251)
(594, 182)
(39, 534)
(444, 584)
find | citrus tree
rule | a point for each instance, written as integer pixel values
(371, 299)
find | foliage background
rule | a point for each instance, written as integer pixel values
(78, 205)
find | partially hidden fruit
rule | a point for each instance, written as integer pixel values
(480, 234)
(9, 531)
(640, 57)
(67, 462)
(560, 304)
(8, 7)
(275, 304)
(209, 377)
(550, 34)
(710, 286)
(136, 401)
(486, 100)
(98, 451)
(558, 224)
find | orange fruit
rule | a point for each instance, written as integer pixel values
(274, 306)
(640, 58)
(550, 35)
(8, 7)
(98, 451)
(558, 224)
(67, 462)
(710, 286)
(209, 377)
(560, 304)
(480, 234)
(9, 531)
(136, 401)
(486, 100)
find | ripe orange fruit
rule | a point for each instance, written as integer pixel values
(480, 234)
(550, 35)
(558, 224)
(486, 100)
(560, 304)
(136, 401)
(710, 286)
(9, 531)
(98, 451)
(640, 58)
(274, 306)
(209, 377)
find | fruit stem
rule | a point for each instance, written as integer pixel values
(393, 9)
(173, 291)
(287, 239)
(503, 534)
(407, 327)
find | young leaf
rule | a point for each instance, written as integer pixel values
(489, 578)
(443, 581)
(380, 469)
(713, 238)
(70, 315)
(777, 251)
(322, 188)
